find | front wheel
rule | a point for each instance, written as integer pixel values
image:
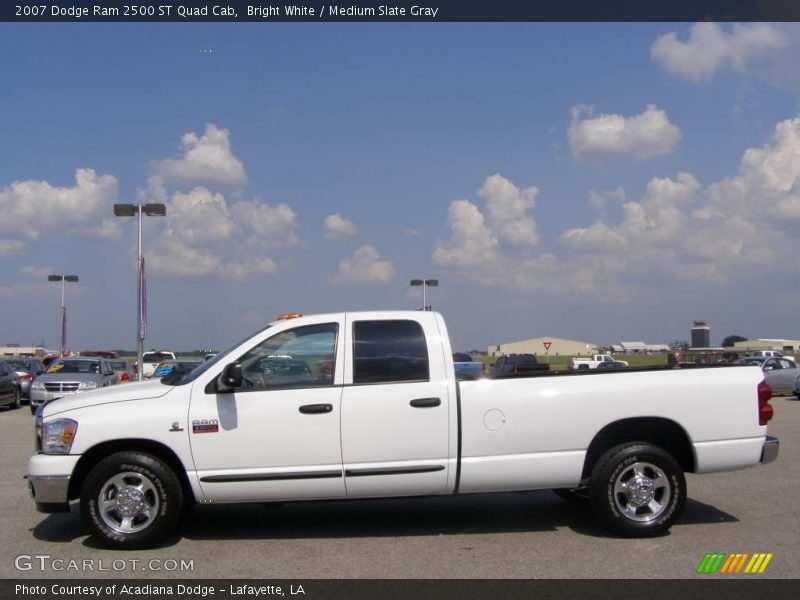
(131, 500)
(17, 399)
(637, 490)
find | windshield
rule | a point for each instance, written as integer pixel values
(157, 357)
(18, 365)
(74, 366)
(181, 378)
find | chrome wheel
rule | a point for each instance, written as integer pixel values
(642, 491)
(128, 502)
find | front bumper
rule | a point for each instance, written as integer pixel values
(770, 451)
(38, 397)
(48, 481)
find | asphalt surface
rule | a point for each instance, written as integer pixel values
(520, 535)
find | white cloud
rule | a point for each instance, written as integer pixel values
(599, 200)
(275, 226)
(507, 207)
(364, 268)
(610, 135)
(9, 247)
(709, 47)
(34, 208)
(36, 272)
(206, 159)
(203, 235)
(471, 242)
(337, 227)
(678, 230)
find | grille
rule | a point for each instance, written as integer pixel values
(71, 386)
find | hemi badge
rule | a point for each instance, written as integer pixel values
(176, 426)
(205, 426)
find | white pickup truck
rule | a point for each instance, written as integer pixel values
(592, 362)
(367, 405)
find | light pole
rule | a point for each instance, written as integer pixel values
(425, 283)
(151, 210)
(63, 279)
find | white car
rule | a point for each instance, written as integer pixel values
(153, 358)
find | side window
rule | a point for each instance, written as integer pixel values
(389, 351)
(300, 357)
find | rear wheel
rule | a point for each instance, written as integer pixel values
(638, 490)
(131, 500)
(17, 402)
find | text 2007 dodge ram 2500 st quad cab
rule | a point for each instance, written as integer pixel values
(367, 405)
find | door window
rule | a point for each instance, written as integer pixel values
(389, 351)
(300, 357)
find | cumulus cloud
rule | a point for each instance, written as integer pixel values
(337, 228)
(709, 47)
(365, 267)
(206, 159)
(471, 241)
(203, 235)
(507, 206)
(34, 208)
(611, 135)
(9, 247)
(36, 272)
(477, 237)
(677, 229)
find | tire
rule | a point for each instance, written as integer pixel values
(33, 409)
(17, 402)
(131, 500)
(650, 506)
(578, 495)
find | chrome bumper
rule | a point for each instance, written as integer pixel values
(50, 492)
(770, 451)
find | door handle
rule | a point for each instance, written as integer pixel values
(316, 409)
(425, 402)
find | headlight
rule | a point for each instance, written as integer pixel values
(58, 435)
(87, 385)
(37, 385)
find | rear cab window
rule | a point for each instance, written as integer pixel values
(389, 351)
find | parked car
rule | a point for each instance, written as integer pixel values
(174, 366)
(10, 394)
(109, 354)
(124, 370)
(612, 364)
(67, 376)
(150, 360)
(28, 369)
(797, 387)
(511, 364)
(780, 373)
(593, 362)
(466, 367)
(771, 354)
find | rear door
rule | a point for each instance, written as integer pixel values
(395, 407)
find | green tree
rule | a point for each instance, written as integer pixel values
(729, 341)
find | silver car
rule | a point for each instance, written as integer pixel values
(71, 376)
(779, 373)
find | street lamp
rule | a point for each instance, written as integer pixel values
(425, 283)
(151, 210)
(63, 279)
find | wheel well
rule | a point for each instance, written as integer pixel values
(658, 431)
(97, 453)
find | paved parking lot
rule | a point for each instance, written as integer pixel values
(523, 535)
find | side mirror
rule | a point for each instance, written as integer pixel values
(768, 368)
(230, 378)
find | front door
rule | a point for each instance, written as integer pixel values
(277, 437)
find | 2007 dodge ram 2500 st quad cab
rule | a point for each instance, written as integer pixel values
(367, 405)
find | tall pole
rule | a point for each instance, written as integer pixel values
(140, 308)
(424, 300)
(63, 318)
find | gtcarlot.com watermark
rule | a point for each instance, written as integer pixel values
(47, 563)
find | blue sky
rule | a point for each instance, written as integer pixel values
(599, 182)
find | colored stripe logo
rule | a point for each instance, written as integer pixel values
(737, 562)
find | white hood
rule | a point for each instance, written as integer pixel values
(138, 390)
